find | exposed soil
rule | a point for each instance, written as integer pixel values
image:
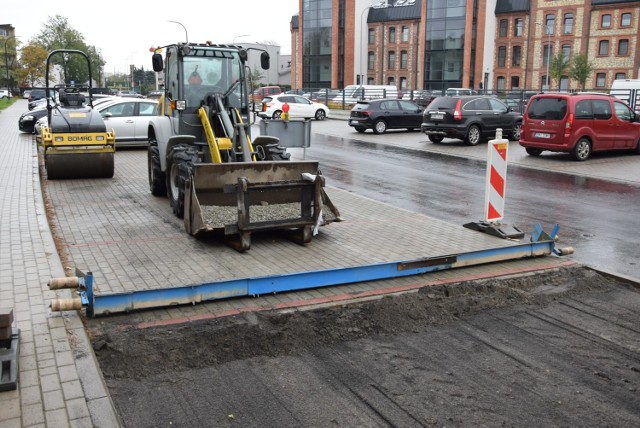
(557, 348)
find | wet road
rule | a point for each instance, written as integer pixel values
(600, 219)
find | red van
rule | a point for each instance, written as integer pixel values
(578, 123)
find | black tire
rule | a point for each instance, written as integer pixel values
(638, 147)
(180, 161)
(380, 127)
(276, 114)
(473, 136)
(515, 132)
(582, 150)
(435, 138)
(272, 152)
(533, 151)
(157, 178)
(360, 129)
(320, 115)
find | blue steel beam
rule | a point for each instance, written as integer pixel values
(146, 299)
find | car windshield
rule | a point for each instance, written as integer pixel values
(219, 69)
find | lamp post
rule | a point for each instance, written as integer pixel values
(362, 50)
(237, 37)
(548, 33)
(6, 63)
(185, 30)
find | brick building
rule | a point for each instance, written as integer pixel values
(481, 44)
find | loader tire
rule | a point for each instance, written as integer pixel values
(157, 179)
(275, 152)
(180, 161)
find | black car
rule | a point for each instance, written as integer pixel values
(28, 119)
(387, 113)
(471, 118)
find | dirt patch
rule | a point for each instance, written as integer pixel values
(138, 353)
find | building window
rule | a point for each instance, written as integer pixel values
(620, 76)
(568, 23)
(403, 83)
(623, 47)
(625, 20)
(566, 52)
(600, 79)
(370, 81)
(543, 83)
(392, 35)
(605, 21)
(372, 36)
(603, 47)
(392, 60)
(370, 59)
(502, 56)
(504, 24)
(564, 83)
(515, 82)
(515, 57)
(405, 33)
(500, 84)
(518, 27)
(546, 54)
(550, 24)
(391, 81)
(403, 59)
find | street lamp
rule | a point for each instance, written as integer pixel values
(6, 63)
(547, 31)
(237, 37)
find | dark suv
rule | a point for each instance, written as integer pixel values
(472, 118)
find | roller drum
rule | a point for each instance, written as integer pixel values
(79, 165)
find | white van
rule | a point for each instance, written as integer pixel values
(352, 93)
(628, 90)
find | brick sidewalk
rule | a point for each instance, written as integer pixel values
(59, 383)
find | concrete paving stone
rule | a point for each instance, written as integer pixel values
(29, 394)
(10, 409)
(56, 418)
(32, 415)
(45, 361)
(67, 373)
(81, 423)
(29, 378)
(50, 382)
(77, 408)
(11, 423)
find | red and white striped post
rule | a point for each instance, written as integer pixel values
(496, 181)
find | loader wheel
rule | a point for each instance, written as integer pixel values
(274, 152)
(180, 161)
(157, 179)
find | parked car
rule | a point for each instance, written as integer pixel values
(129, 94)
(4, 93)
(422, 98)
(323, 95)
(272, 107)
(383, 114)
(265, 91)
(471, 118)
(128, 117)
(36, 94)
(26, 94)
(452, 92)
(579, 123)
(27, 121)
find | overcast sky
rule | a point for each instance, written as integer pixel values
(124, 30)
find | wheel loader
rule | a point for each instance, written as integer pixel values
(201, 154)
(75, 142)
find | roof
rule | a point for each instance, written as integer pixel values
(395, 10)
(508, 6)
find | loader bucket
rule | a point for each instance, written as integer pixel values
(239, 198)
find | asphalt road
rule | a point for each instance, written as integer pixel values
(596, 217)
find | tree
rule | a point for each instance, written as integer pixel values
(33, 58)
(254, 77)
(558, 67)
(58, 34)
(581, 69)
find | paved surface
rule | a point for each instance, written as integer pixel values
(60, 383)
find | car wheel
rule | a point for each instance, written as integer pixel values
(436, 138)
(638, 148)
(380, 127)
(515, 133)
(582, 150)
(473, 135)
(277, 114)
(533, 151)
(360, 129)
(320, 115)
